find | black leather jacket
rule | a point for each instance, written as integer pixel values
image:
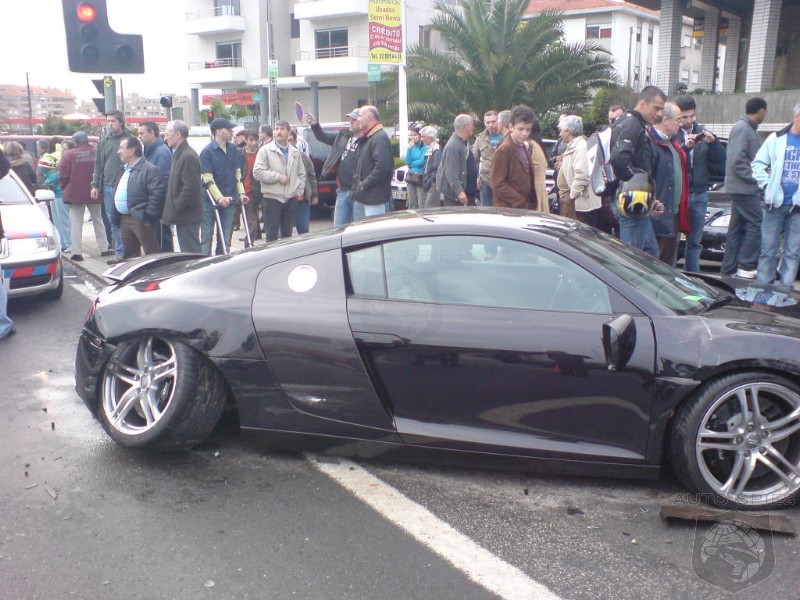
(147, 188)
(630, 148)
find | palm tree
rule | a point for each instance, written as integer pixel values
(497, 59)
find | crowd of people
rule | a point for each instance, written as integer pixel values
(644, 178)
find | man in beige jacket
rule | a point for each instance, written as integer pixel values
(282, 175)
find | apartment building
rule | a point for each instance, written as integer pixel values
(281, 51)
(631, 34)
(44, 102)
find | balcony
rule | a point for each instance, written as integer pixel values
(322, 62)
(329, 9)
(222, 19)
(218, 72)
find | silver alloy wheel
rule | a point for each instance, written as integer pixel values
(139, 384)
(748, 444)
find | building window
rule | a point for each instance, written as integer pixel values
(650, 34)
(636, 74)
(229, 54)
(649, 77)
(695, 77)
(598, 32)
(687, 41)
(685, 76)
(330, 43)
(227, 7)
(424, 36)
(639, 33)
(294, 26)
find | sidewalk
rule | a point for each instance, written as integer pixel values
(96, 265)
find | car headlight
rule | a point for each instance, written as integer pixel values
(722, 221)
(31, 245)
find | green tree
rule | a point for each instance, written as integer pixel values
(605, 99)
(57, 126)
(497, 59)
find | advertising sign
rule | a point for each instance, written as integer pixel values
(386, 32)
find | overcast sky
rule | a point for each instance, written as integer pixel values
(34, 42)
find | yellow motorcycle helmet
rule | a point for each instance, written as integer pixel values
(635, 198)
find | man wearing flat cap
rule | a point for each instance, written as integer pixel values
(341, 162)
(221, 171)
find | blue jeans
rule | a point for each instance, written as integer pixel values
(343, 211)
(698, 206)
(779, 222)
(61, 221)
(5, 322)
(108, 203)
(638, 233)
(486, 194)
(302, 216)
(363, 211)
(209, 224)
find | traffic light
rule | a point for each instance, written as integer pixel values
(166, 101)
(93, 47)
(210, 114)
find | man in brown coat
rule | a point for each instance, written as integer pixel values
(519, 166)
(75, 175)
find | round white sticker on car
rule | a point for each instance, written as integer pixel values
(302, 278)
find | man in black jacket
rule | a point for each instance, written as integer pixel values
(631, 153)
(341, 162)
(6, 325)
(372, 185)
(704, 154)
(138, 201)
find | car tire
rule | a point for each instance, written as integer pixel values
(737, 442)
(158, 394)
(56, 293)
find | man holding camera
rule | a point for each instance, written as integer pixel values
(705, 156)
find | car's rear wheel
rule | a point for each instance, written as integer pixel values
(160, 395)
(738, 441)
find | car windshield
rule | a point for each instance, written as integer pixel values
(12, 192)
(670, 287)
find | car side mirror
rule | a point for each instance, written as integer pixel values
(619, 341)
(44, 195)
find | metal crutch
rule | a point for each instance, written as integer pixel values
(246, 225)
(220, 233)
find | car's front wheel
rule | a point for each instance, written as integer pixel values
(738, 441)
(160, 395)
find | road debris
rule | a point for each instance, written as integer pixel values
(762, 522)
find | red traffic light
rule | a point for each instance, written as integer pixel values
(86, 12)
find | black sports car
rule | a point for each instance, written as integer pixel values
(504, 333)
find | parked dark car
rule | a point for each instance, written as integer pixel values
(499, 333)
(715, 228)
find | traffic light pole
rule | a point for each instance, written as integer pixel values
(110, 93)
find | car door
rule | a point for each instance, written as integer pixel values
(497, 344)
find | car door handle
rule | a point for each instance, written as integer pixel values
(379, 340)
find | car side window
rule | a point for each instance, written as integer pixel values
(476, 271)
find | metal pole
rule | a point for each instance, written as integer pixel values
(402, 89)
(30, 105)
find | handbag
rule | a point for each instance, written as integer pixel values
(414, 178)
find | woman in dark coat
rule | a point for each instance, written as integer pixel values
(21, 165)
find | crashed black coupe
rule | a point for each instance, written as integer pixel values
(507, 334)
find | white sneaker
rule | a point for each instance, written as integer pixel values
(745, 274)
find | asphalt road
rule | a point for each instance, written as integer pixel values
(83, 518)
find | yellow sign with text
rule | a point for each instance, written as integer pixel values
(386, 32)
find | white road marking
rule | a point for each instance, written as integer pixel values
(82, 289)
(480, 565)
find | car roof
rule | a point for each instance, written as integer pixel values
(472, 220)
